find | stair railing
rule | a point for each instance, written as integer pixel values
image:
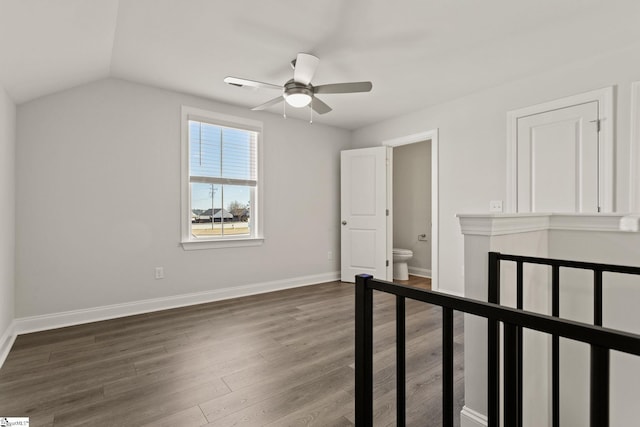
(599, 357)
(602, 340)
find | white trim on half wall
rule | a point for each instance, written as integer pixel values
(471, 418)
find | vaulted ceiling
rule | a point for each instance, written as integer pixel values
(417, 53)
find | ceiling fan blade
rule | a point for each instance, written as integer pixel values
(236, 81)
(305, 68)
(319, 106)
(268, 104)
(344, 87)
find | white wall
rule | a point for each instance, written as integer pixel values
(581, 237)
(620, 296)
(7, 216)
(412, 201)
(98, 201)
(472, 141)
(476, 247)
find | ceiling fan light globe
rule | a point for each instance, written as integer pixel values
(298, 100)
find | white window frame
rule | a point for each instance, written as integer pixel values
(257, 231)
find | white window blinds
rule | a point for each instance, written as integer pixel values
(222, 155)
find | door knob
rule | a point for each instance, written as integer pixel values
(344, 222)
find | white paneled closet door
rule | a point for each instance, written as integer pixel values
(557, 160)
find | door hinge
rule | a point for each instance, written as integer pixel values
(387, 212)
(387, 263)
(598, 208)
(597, 122)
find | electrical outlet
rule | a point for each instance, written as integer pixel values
(495, 206)
(330, 255)
(159, 272)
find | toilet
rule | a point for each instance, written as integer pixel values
(400, 259)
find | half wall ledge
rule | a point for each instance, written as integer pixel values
(511, 223)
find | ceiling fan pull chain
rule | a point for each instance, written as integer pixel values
(311, 111)
(284, 110)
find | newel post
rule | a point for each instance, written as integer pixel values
(364, 351)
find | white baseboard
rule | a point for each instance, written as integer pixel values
(421, 272)
(448, 292)
(471, 418)
(43, 322)
(6, 342)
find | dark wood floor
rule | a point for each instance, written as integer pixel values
(282, 359)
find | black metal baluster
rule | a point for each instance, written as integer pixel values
(510, 375)
(599, 390)
(555, 347)
(447, 367)
(597, 297)
(401, 391)
(519, 306)
(364, 351)
(493, 356)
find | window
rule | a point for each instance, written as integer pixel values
(220, 180)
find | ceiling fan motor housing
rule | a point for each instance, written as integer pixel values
(293, 90)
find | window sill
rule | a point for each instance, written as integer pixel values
(191, 245)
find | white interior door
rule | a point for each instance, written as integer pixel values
(558, 160)
(365, 247)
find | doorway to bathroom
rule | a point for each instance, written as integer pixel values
(414, 184)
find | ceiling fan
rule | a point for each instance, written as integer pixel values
(299, 92)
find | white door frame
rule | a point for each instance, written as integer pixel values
(604, 97)
(431, 135)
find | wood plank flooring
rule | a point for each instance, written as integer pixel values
(278, 359)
